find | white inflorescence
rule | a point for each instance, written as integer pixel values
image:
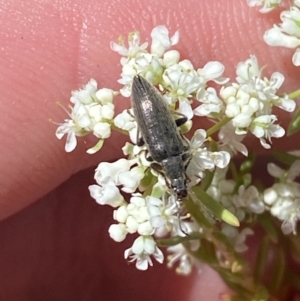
(287, 33)
(283, 198)
(250, 101)
(267, 5)
(246, 106)
(92, 112)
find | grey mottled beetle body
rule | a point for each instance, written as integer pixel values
(159, 132)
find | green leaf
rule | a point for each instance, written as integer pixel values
(207, 253)
(285, 157)
(240, 284)
(206, 181)
(215, 207)
(276, 277)
(265, 221)
(222, 238)
(294, 125)
(261, 260)
(196, 212)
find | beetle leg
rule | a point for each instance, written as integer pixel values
(150, 159)
(180, 121)
(129, 113)
(186, 158)
(157, 167)
(180, 225)
(139, 140)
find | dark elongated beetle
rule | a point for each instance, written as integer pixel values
(159, 132)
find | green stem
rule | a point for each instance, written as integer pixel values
(294, 94)
(217, 126)
(113, 127)
(175, 240)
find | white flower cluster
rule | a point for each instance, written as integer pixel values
(152, 210)
(150, 215)
(249, 102)
(143, 216)
(92, 111)
(287, 33)
(178, 254)
(179, 80)
(243, 204)
(267, 5)
(283, 198)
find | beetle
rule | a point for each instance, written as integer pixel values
(159, 132)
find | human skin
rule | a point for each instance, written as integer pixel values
(54, 237)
